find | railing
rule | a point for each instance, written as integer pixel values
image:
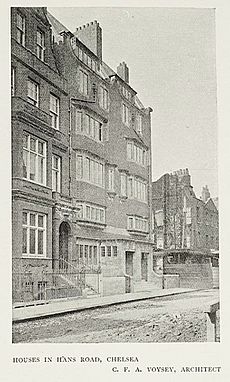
(212, 330)
(39, 285)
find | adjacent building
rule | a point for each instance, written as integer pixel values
(186, 230)
(181, 220)
(81, 165)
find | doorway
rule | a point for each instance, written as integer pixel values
(144, 266)
(129, 263)
(64, 235)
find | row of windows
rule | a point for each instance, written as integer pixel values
(34, 234)
(133, 188)
(137, 223)
(91, 213)
(89, 126)
(136, 154)
(84, 57)
(89, 170)
(87, 253)
(21, 36)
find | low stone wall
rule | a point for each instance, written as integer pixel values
(171, 281)
(113, 285)
(192, 275)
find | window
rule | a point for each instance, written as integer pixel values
(114, 250)
(54, 111)
(126, 93)
(89, 126)
(109, 250)
(111, 179)
(32, 92)
(33, 234)
(34, 159)
(56, 173)
(125, 114)
(102, 251)
(103, 98)
(140, 124)
(21, 29)
(89, 170)
(123, 185)
(83, 83)
(136, 223)
(92, 213)
(12, 81)
(136, 154)
(40, 44)
(137, 189)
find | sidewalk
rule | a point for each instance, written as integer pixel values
(67, 306)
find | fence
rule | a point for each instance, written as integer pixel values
(38, 284)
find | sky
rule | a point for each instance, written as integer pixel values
(170, 53)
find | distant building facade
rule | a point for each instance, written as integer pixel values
(81, 160)
(181, 220)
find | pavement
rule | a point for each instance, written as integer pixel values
(75, 305)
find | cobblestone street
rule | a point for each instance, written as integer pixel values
(178, 318)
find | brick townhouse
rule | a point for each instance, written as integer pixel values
(81, 165)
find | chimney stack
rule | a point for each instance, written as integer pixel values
(123, 71)
(205, 194)
(90, 35)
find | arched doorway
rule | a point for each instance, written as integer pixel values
(64, 238)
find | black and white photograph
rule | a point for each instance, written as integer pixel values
(114, 190)
(115, 216)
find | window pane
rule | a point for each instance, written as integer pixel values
(32, 144)
(40, 170)
(24, 240)
(40, 221)
(41, 148)
(32, 241)
(25, 164)
(32, 219)
(40, 242)
(24, 218)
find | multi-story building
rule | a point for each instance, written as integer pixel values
(186, 229)
(81, 164)
(181, 220)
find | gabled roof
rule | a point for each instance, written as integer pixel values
(211, 205)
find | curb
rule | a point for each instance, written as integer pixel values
(95, 305)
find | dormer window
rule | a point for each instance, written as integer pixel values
(40, 44)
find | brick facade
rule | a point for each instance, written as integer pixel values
(81, 159)
(181, 220)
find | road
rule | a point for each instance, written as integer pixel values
(177, 318)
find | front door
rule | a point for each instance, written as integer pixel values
(144, 266)
(129, 263)
(63, 245)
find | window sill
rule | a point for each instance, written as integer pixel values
(42, 257)
(89, 223)
(136, 232)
